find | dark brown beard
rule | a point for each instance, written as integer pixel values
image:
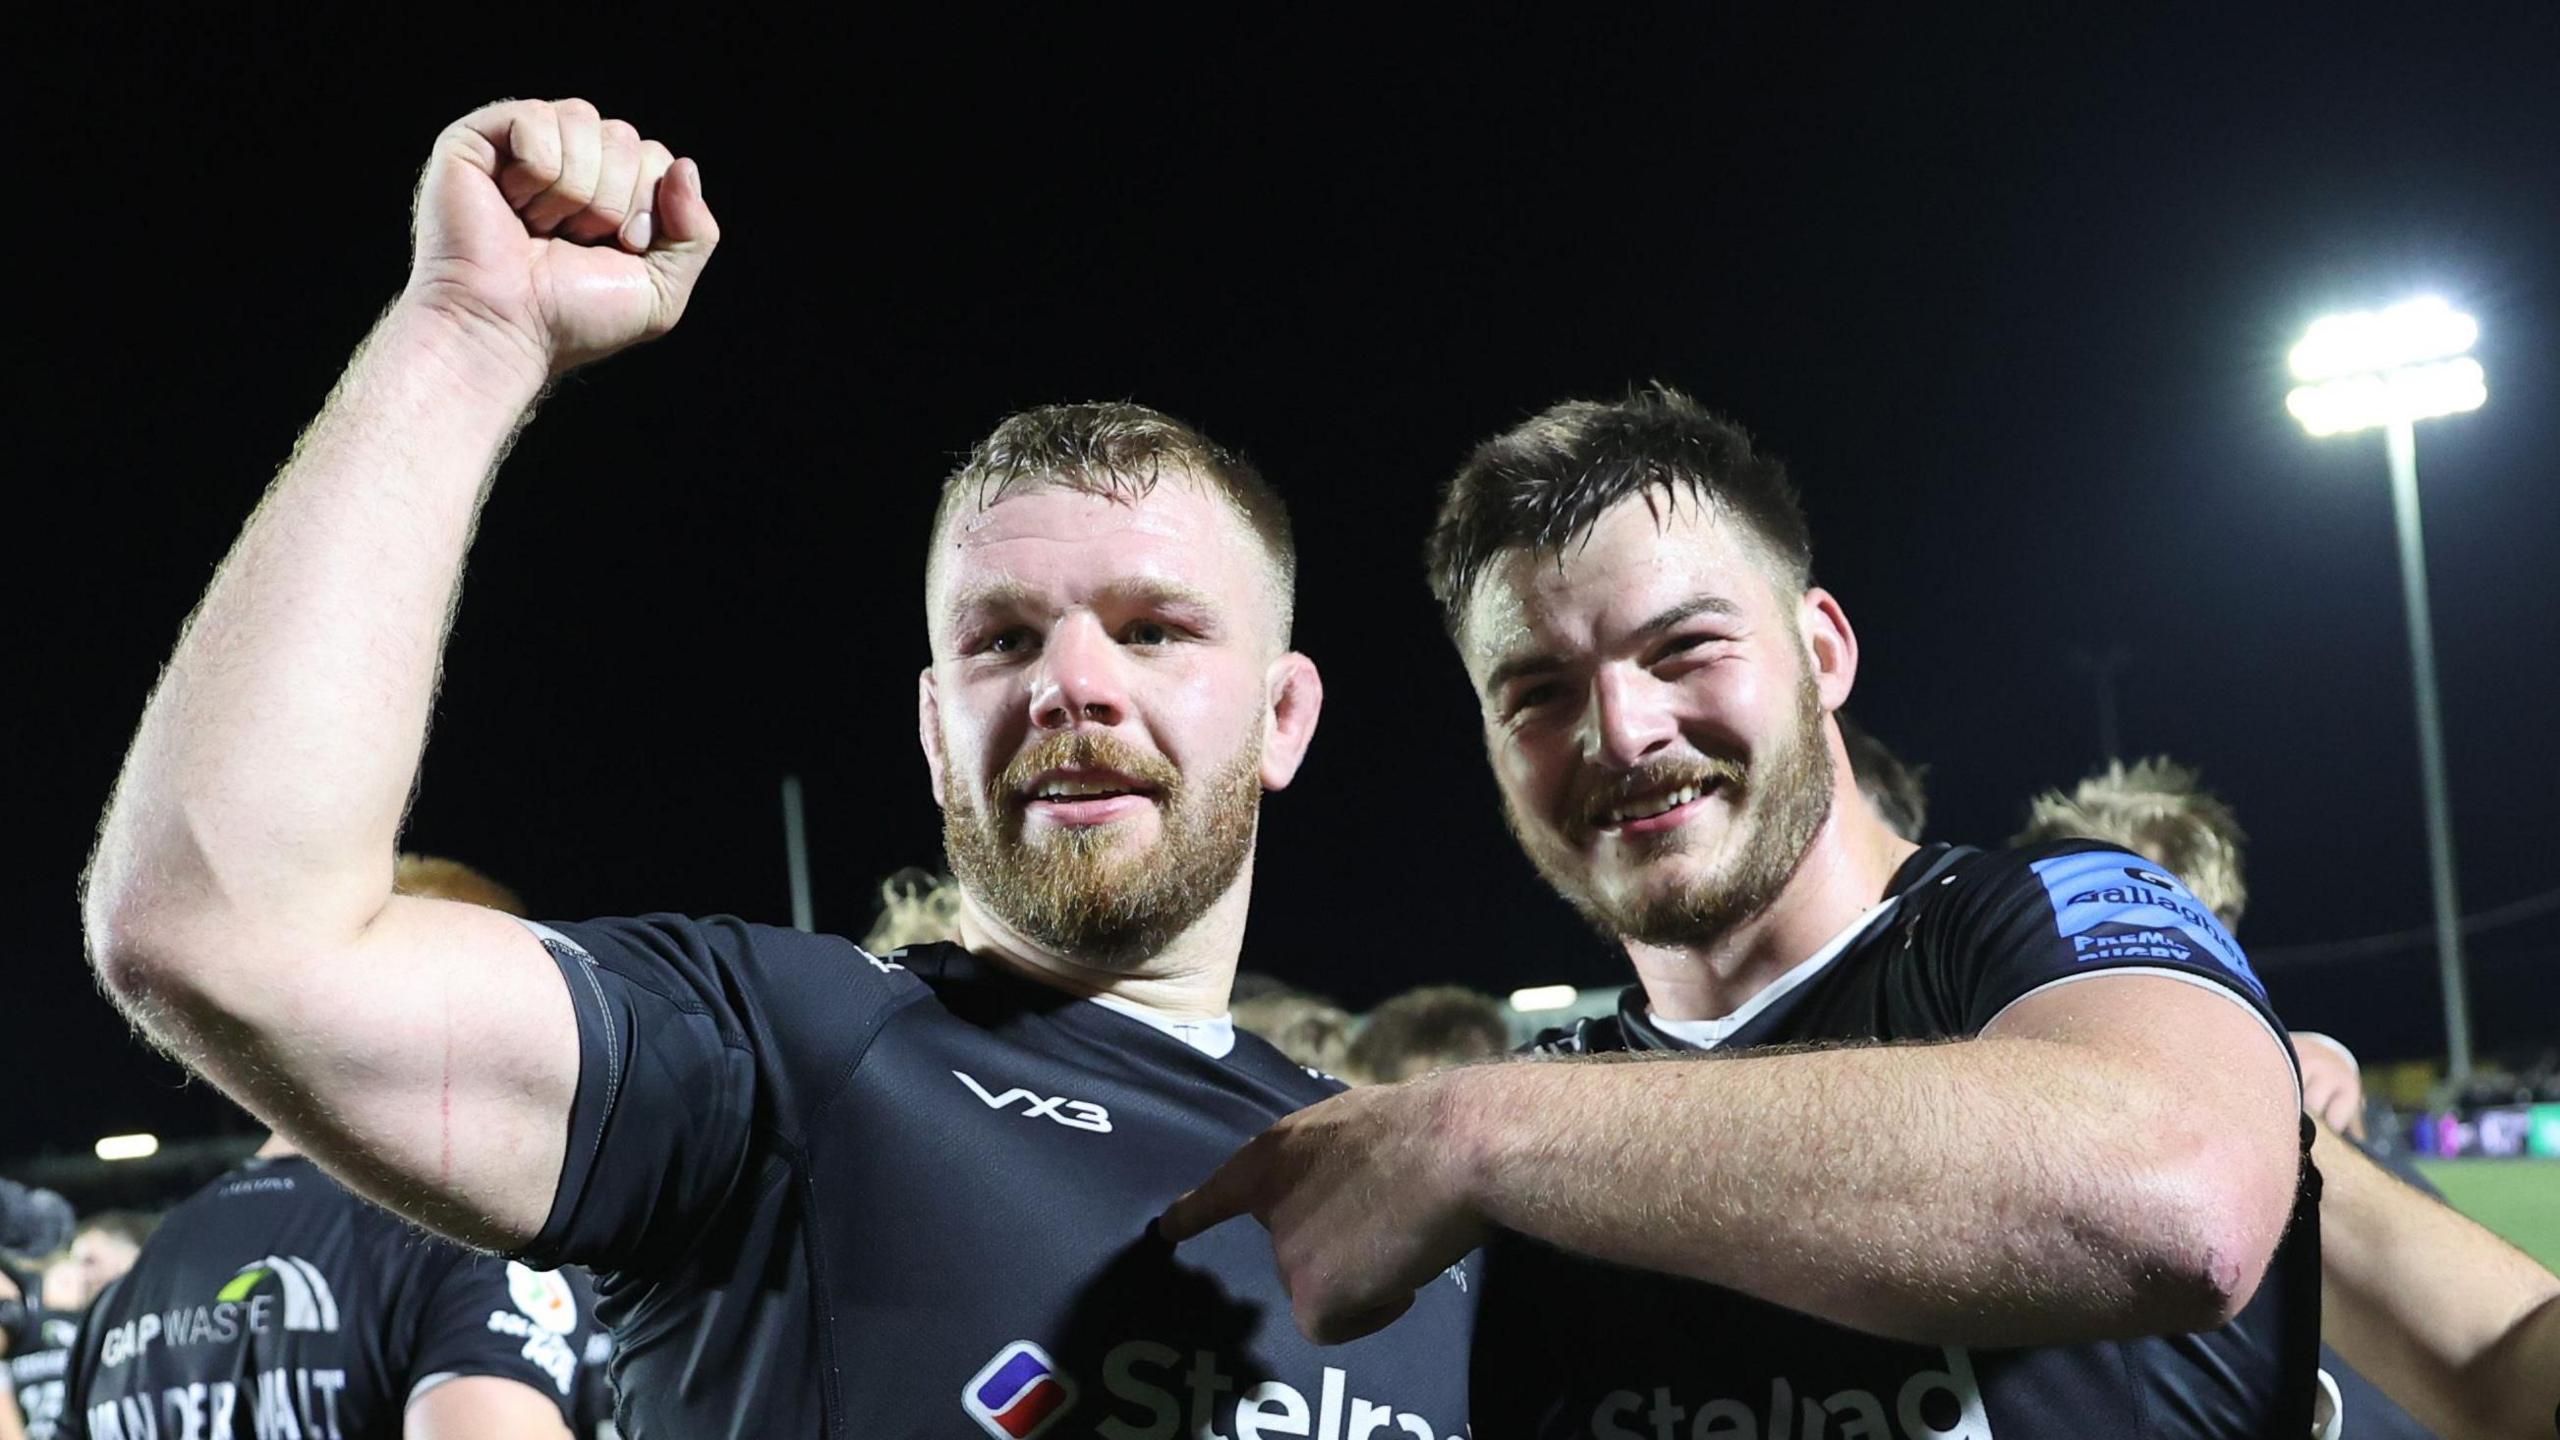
(1074, 895)
(1785, 798)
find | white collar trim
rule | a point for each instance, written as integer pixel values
(1708, 1034)
(1213, 1038)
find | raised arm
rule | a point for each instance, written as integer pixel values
(239, 904)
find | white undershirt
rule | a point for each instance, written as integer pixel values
(1213, 1038)
(1708, 1034)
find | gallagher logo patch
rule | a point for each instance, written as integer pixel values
(2118, 908)
(1018, 1394)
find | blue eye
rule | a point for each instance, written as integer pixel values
(1007, 642)
(1149, 632)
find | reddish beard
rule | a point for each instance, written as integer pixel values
(1088, 892)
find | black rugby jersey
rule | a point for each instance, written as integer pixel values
(274, 1302)
(39, 1357)
(1573, 1347)
(832, 1195)
(591, 1414)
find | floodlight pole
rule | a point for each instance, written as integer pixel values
(795, 850)
(2402, 443)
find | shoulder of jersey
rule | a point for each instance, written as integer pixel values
(929, 963)
(1583, 1037)
(1989, 868)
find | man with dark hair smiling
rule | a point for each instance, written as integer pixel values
(2008, 1143)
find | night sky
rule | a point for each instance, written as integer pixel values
(2012, 300)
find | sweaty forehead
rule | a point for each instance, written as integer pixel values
(1635, 564)
(1068, 545)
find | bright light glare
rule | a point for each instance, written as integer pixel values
(2417, 392)
(1544, 997)
(128, 1147)
(2415, 330)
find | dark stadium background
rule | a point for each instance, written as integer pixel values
(2012, 296)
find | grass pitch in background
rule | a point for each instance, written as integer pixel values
(2520, 1199)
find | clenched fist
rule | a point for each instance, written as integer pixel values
(555, 235)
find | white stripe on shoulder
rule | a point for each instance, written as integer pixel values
(545, 932)
(2182, 977)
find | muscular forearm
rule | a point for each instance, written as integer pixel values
(2457, 1325)
(259, 805)
(1989, 1192)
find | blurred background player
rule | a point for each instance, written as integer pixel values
(917, 907)
(45, 1326)
(1426, 1029)
(1898, 791)
(1310, 1029)
(276, 1302)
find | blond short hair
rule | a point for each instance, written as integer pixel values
(1120, 450)
(2159, 809)
(437, 878)
(916, 908)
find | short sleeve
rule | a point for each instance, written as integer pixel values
(2025, 920)
(699, 1042)
(494, 1317)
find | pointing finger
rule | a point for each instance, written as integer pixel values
(1220, 1198)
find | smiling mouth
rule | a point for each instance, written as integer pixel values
(1084, 790)
(1648, 807)
(1078, 790)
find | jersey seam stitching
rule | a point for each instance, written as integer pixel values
(819, 1259)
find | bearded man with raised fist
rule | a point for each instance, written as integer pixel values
(827, 1193)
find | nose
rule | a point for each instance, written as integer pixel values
(1081, 679)
(1630, 718)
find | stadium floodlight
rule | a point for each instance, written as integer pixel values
(2377, 367)
(1544, 997)
(2390, 369)
(2408, 333)
(128, 1147)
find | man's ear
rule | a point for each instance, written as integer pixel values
(1296, 698)
(1832, 644)
(929, 729)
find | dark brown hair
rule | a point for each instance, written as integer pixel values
(1545, 483)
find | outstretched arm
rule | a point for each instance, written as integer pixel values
(2457, 1325)
(2115, 1157)
(239, 905)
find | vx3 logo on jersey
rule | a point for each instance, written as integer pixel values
(1074, 1114)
